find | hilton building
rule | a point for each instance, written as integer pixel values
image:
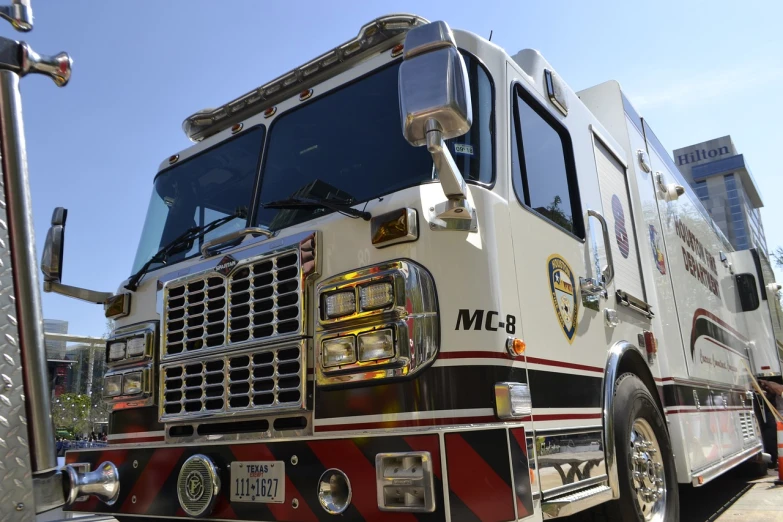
(721, 178)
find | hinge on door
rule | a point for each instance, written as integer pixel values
(696, 400)
(635, 304)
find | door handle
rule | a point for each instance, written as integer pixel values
(608, 271)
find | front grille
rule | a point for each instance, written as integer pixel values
(268, 379)
(258, 301)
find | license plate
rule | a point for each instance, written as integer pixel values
(258, 481)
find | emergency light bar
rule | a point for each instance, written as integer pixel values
(377, 36)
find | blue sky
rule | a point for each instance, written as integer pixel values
(696, 70)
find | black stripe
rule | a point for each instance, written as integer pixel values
(460, 511)
(166, 502)
(492, 447)
(128, 421)
(458, 387)
(682, 395)
(565, 390)
(304, 476)
(704, 327)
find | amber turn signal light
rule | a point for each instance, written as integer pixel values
(397, 226)
(117, 306)
(515, 346)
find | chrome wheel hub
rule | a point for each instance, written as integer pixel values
(647, 473)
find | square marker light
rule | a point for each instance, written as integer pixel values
(132, 383)
(135, 347)
(112, 385)
(117, 351)
(379, 295)
(340, 304)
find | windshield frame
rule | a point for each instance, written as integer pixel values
(489, 185)
(178, 164)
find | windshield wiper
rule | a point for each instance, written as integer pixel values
(338, 205)
(176, 244)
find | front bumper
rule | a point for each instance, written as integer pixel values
(487, 473)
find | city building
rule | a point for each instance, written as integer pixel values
(723, 182)
(57, 362)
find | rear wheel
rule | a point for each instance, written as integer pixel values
(645, 465)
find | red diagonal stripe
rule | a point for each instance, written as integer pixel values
(284, 511)
(148, 485)
(427, 443)
(344, 455)
(521, 440)
(474, 481)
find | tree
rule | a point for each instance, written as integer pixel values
(72, 410)
(777, 256)
(556, 214)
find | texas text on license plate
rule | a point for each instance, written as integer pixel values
(258, 481)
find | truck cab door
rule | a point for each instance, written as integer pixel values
(565, 341)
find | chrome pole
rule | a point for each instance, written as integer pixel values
(24, 261)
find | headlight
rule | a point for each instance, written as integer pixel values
(377, 345)
(116, 351)
(339, 304)
(131, 384)
(112, 386)
(339, 351)
(135, 347)
(393, 332)
(379, 295)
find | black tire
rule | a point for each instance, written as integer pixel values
(632, 400)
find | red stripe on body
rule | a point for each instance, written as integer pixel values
(151, 480)
(284, 511)
(476, 484)
(427, 443)
(343, 454)
(701, 312)
(533, 360)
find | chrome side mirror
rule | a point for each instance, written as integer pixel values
(435, 105)
(52, 258)
(52, 263)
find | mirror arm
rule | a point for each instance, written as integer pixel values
(456, 213)
(83, 294)
(450, 177)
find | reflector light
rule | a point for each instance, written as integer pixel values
(135, 347)
(236, 128)
(397, 50)
(173, 159)
(379, 295)
(131, 384)
(270, 112)
(116, 351)
(512, 400)
(339, 304)
(305, 95)
(339, 351)
(112, 385)
(374, 346)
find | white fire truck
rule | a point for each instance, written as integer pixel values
(417, 278)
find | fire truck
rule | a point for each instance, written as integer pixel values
(417, 278)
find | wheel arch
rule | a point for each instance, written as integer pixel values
(623, 357)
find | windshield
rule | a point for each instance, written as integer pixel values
(348, 145)
(198, 191)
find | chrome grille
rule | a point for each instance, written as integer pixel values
(746, 425)
(259, 300)
(269, 379)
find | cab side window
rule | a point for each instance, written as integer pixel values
(543, 171)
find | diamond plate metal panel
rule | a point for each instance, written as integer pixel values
(16, 480)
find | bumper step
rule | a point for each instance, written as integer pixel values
(576, 502)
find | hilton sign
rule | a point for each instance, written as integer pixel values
(699, 155)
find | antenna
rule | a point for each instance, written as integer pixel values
(490, 35)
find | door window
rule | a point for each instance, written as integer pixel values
(543, 170)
